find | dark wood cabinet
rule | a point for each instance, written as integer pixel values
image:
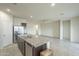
(29, 50)
(36, 51)
(32, 51)
(21, 45)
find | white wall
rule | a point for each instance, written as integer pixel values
(5, 29)
(56, 29)
(50, 29)
(0, 32)
(30, 27)
(46, 29)
(75, 29)
(66, 29)
(18, 21)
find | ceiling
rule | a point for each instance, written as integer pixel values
(42, 11)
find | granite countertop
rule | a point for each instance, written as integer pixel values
(35, 41)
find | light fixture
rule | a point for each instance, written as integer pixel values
(52, 4)
(8, 10)
(31, 16)
(36, 27)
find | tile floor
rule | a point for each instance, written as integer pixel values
(64, 48)
(59, 47)
(10, 50)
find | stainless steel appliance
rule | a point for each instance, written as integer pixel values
(18, 30)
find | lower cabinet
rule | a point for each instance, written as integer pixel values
(28, 50)
(21, 45)
(32, 51)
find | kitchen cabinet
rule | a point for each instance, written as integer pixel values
(32, 51)
(28, 48)
(21, 45)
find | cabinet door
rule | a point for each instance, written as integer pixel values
(28, 50)
(21, 45)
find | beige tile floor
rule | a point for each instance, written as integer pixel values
(59, 47)
(10, 50)
(64, 48)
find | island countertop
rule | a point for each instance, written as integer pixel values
(35, 41)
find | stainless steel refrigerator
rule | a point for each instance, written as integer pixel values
(17, 30)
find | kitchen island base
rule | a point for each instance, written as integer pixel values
(29, 50)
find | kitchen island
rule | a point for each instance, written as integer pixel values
(31, 45)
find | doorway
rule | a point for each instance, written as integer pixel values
(66, 30)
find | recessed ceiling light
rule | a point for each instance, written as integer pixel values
(31, 16)
(7, 9)
(52, 4)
